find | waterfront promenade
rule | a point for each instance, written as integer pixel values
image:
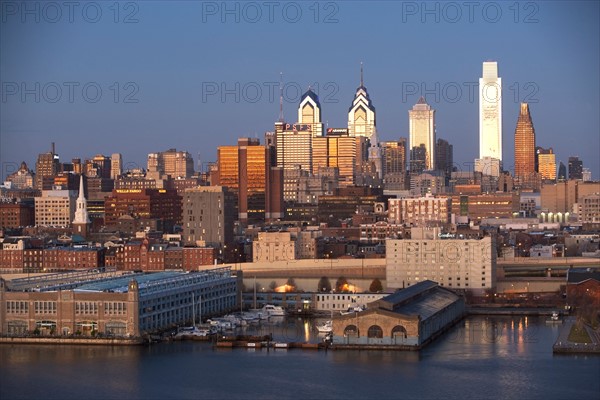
(564, 345)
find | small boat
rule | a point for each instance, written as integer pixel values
(221, 324)
(352, 310)
(272, 311)
(554, 319)
(250, 317)
(192, 331)
(325, 327)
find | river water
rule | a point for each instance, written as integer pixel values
(480, 358)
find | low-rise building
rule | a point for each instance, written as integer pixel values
(409, 318)
(131, 305)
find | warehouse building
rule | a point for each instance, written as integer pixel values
(407, 319)
(113, 304)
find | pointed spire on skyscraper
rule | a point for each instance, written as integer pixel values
(281, 97)
(361, 74)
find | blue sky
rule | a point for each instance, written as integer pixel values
(162, 67)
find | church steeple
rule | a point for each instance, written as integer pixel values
(82, 219)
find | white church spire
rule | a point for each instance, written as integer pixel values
(81, 213)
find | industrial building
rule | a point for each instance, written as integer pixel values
(111, 303)
(407, 319)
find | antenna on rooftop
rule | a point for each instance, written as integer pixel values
(281, 97)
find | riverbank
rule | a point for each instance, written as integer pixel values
(564, 345)
(73, 341)
(529, 311)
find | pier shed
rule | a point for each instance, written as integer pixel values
(409, 318)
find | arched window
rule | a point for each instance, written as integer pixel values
(399, 330)
(351, 330)
(375, 331)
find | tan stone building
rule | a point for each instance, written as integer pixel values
(409, 318)
(419, 211)
(273, 246)
(454, 263)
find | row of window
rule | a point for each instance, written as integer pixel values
(17, 307)
(45, 307)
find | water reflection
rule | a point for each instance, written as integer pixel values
(480, 357)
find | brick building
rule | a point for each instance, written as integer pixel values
(159, 204)
(15, 215)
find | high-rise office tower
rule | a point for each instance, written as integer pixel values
(444, 156)
(418, 159)
(394, 157)
(247, 171)
(525, 147)
(575, 168)
(337, 150)
(422, 131)
(490, 112)
(361, 114)
(116, 165)
(562, 171)
(394, 164)
(294, 149)
(47, 165)
(176, 164)
(208, 215)
(309, 113)
(375, 154)
(546, 163)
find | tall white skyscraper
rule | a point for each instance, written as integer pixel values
(422, 132)
(116, 165)
(361, 114)
(490, 112)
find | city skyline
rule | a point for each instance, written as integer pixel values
(178, 88)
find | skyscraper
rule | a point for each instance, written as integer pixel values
(176, 164)
(575, 168)
(444, 156)
(47, 166)
(546, 163)
(490, 121)
(490, 112)
(337, 150)
(309, 113)
(562, 172)
(422, 131)
(246, 170)
(394, 164)
(394, 155)
(361, 114)
(524, 147)
(116, 165)
(208, 215)
(418, 159)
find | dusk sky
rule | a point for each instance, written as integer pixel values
(162, 67)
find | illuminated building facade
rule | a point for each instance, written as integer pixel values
(422, 131)
(525, 148)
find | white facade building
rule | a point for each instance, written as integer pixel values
(453, 263)
(490, 112)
